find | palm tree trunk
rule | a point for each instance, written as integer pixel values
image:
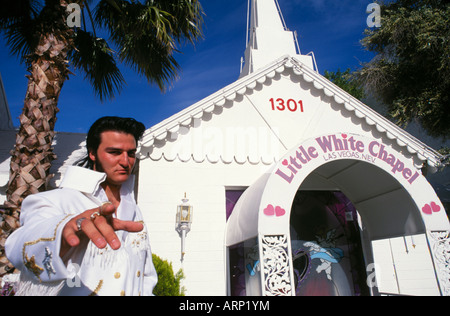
(33, 153)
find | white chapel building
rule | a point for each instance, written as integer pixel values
(295, 186)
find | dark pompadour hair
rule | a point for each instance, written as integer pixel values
(109, 124)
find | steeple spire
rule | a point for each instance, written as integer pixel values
(5, 116)
(269, 38)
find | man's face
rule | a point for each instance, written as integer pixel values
(115, 156)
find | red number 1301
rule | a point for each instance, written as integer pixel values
(290, 104)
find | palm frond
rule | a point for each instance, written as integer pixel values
(18, 23)
(93, 56)
(187, 18)
(146, 34)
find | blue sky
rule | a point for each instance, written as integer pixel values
(332, 29)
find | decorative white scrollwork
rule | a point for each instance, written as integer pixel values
(440, 241)
(277, 278)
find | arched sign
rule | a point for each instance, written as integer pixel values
(304, 159)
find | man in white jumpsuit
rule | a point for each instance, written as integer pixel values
(88, 237)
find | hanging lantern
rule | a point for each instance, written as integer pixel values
(183, 222)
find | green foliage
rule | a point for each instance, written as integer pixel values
(411, 71)
(146, 33)
(169, 284)
(346, 81)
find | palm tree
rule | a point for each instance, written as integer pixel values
(144, 35)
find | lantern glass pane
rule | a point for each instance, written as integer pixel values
(185, 214)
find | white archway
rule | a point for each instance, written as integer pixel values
(385, 210)
(394, 200)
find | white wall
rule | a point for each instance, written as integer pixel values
(162, 185)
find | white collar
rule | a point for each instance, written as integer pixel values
(88, 181)
(82, 179)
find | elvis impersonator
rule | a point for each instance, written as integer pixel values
(88, 236)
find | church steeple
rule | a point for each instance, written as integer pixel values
(5, 116)
(268, 37)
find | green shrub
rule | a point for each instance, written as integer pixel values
(169, 284)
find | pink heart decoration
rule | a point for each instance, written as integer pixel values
(436, 208)
(427, 209)
(431, 208)
(279, 211)
(269, 210)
